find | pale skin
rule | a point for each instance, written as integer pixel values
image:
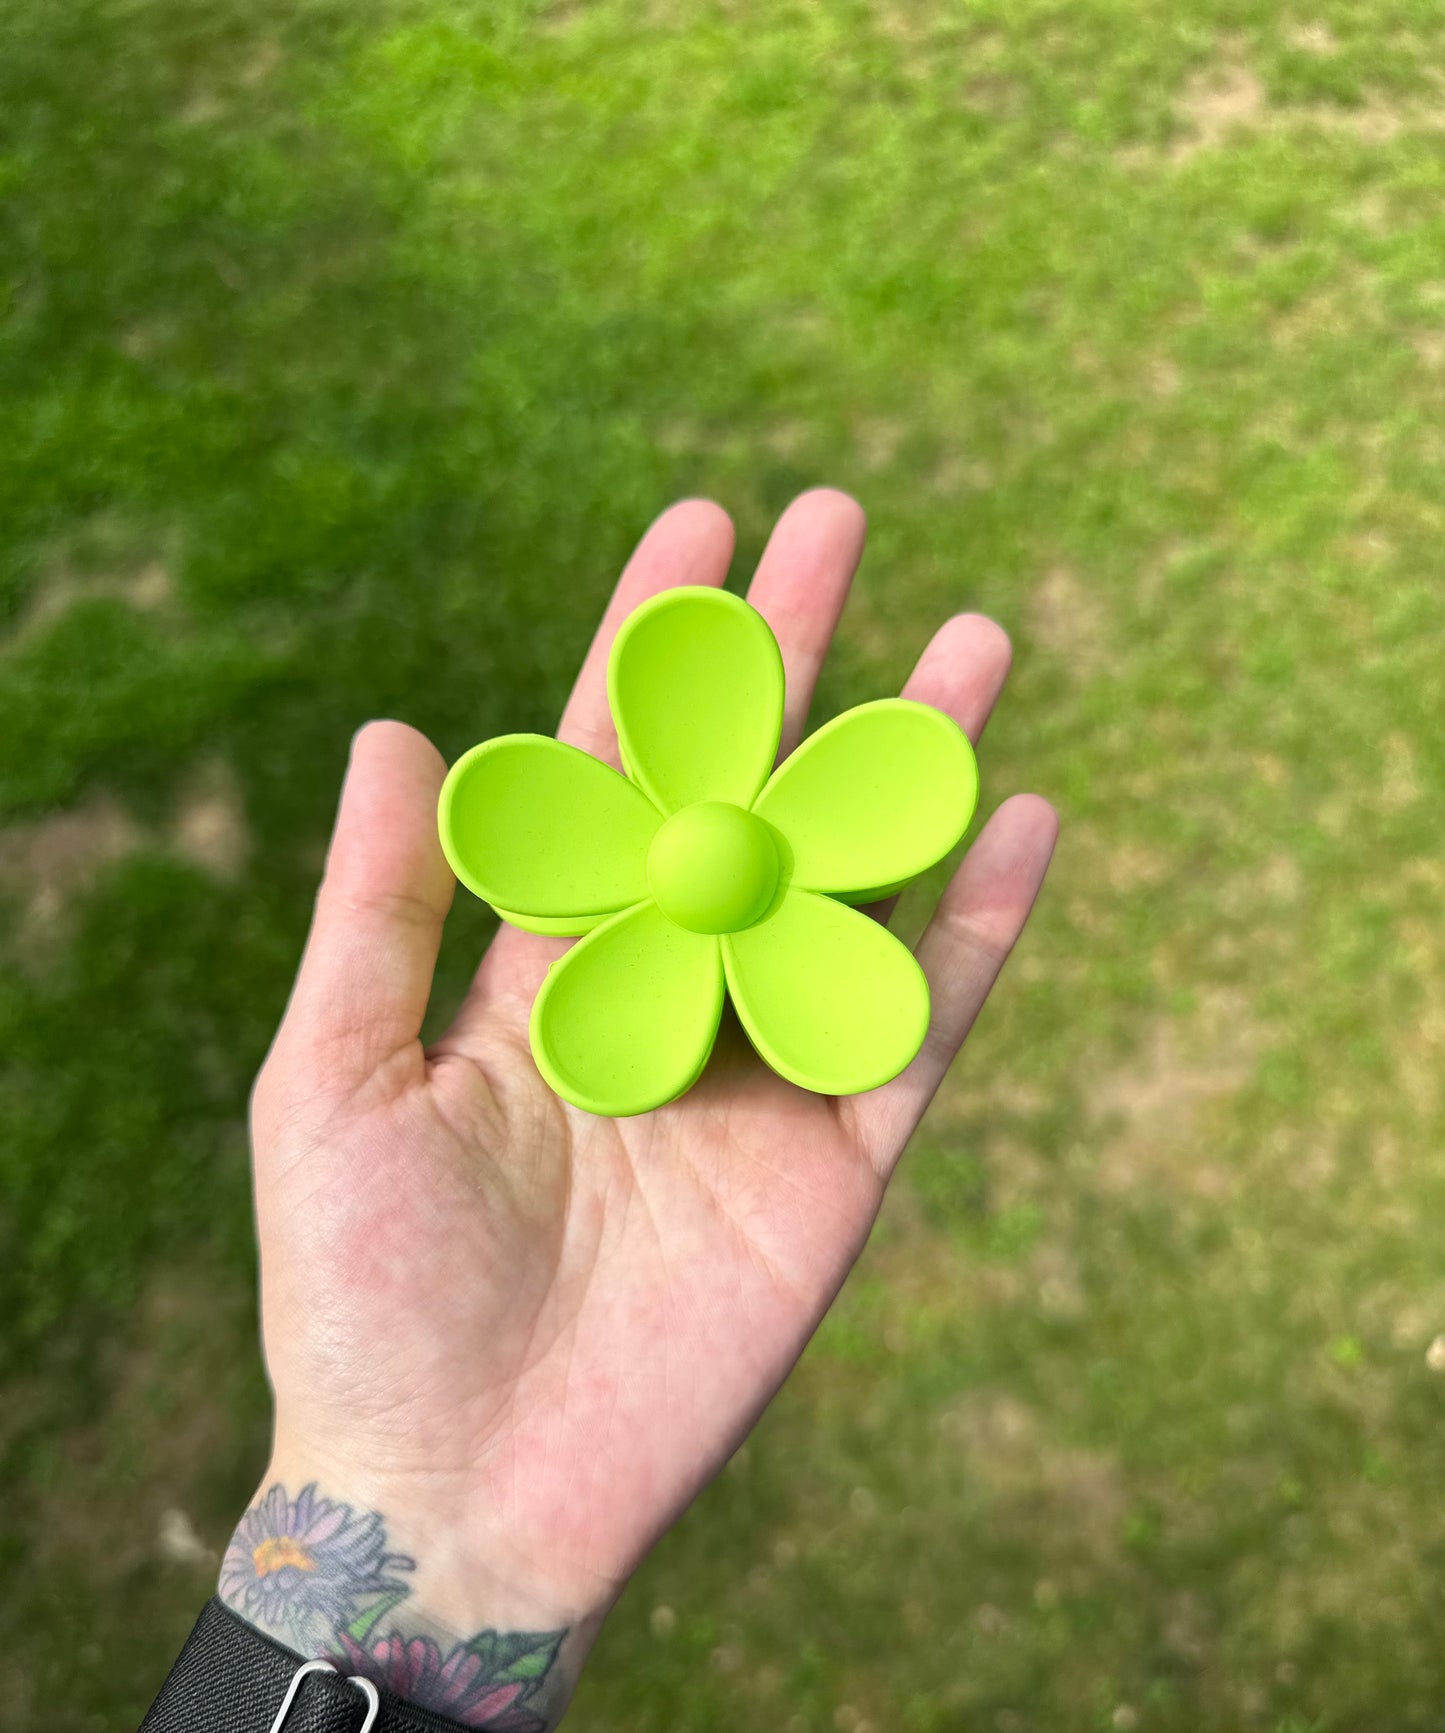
(526, 1335)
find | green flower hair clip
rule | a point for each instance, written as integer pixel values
(704, 870)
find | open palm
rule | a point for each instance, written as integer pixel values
(527, 1334)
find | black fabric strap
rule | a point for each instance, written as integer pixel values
(232, 1678)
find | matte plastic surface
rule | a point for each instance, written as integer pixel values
(695, 681)
(706, 870)
(713, 867)
(627, 1021)
(873, 797)
(529, 823)
(829, 997)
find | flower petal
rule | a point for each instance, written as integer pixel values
(626, 1019)
(827, 995)
(555, 926)
(873, 798)
(695, 681)
(535, 826)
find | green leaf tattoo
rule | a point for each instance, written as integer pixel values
(516, 1654)
(361, 1625)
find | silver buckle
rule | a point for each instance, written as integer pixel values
(365, 1686)
(373, 1700)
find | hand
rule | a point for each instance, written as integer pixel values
(522, 1336)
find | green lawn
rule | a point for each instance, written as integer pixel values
(346, 347)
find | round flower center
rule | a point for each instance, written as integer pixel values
(713, 868)
(278, 1551)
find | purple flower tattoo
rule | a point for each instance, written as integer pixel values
(317, 1575)
(300, 1568)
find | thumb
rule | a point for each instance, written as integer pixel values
(361, 991)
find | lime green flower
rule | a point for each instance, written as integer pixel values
(704, 870)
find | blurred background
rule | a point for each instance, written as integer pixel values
(348, 346)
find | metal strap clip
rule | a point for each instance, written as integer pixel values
(365, 1686)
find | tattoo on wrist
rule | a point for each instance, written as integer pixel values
(317, 1575)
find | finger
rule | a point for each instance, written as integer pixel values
(690, 543)
(361, 991)
(975, 926)
(963, 670)
(800, 587)
(961, 673)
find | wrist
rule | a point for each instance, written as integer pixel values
(404, 1586)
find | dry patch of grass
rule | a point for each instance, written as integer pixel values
(209, 825)
(148, 588)
(1229, 99)
(1067, 617)
(1149, 1115)
(1215, 105)
(1033, 1483)
(47, 862)
(50, 859)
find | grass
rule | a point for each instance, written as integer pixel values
(346, 350)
